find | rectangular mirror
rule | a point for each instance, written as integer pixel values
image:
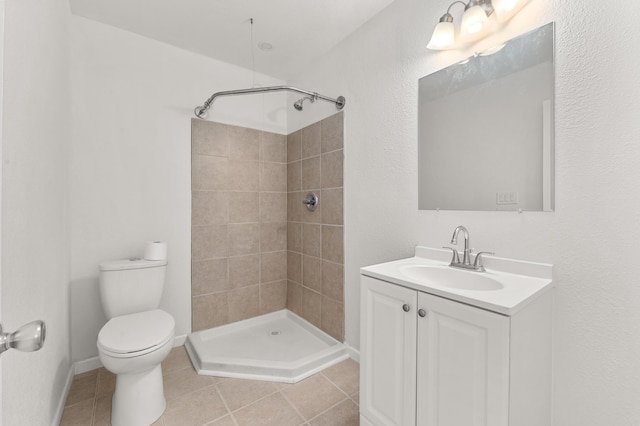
(485, 129)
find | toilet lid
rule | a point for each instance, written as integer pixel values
(136, 332)
(132, 263)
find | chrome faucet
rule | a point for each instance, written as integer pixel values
(466, 259)
(466, 256)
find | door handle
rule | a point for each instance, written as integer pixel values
(28, 338)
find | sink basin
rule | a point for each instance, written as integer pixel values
(505, 288)
(450, 277)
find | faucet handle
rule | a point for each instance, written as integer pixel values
(456, 257)
(477, 265)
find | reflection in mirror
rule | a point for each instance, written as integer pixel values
(485, 130)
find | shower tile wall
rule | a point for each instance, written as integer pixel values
(239, 223)
(315, 245)
(251, 233)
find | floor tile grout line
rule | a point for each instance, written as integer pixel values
(235, 421)
(328, 409)
(334, 384)
(186, 394)
(165, 372)
(295, 408)
(354, 400)
(79, 402)
(224, 401)
(83, 400)
(254, 402)
(263, 398)
(95, 399)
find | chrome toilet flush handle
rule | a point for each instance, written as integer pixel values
(28, 338)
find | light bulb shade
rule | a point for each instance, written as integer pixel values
(506, 9)
(474, 23)
(443, 36)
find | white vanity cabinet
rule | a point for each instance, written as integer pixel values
(387, 353)
(427, 360)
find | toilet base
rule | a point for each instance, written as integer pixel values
(139, 398)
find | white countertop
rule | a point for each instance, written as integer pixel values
(522, 281)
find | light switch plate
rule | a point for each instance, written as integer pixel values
(507, 197)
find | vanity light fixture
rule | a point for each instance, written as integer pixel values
(477, 18)
(506, 9)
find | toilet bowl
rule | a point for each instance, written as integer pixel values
(136, 339)
(132, 347)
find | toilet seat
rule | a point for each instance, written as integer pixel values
(136, 334)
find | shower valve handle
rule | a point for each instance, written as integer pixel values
(311, 201)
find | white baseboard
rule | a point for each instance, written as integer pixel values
(179, 340)
(93, 363)
(354, 354)
(85, 365)
(63, 397)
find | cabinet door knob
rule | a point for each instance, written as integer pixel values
(406, 307)
(422, 313)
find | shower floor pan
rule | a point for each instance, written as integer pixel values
(279, 347)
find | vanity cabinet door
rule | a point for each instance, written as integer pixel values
(462, 365)
(388, 354)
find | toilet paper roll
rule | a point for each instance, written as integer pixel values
(155, 250)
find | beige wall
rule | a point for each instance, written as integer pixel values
(239, 229)
(315, 239)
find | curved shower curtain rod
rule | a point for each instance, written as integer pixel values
(201, 111)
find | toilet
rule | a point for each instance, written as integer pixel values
(136, 339)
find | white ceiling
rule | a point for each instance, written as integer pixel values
(299, 30)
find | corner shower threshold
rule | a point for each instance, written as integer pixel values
(279, 347)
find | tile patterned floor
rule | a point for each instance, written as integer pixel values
(328, 398)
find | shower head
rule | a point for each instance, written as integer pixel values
(298, 104)
(201, 111)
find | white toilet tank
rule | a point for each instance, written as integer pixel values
(133, 285)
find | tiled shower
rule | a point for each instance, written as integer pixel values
(255, 247)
